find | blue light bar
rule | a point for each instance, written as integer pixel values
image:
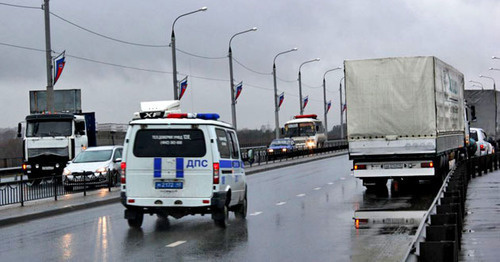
(208, 116)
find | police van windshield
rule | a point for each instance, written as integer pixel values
(169, 143)
(300, 129)
(48, 128)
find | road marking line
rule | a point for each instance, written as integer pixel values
(301, 195)
(342, 178)
(330, 183)
(317, 188)
(280, 203)
(256, 213)
(176, 243)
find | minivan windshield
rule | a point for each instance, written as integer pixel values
(169, 143)
(48, 128)
(93, 156)
(300, 129)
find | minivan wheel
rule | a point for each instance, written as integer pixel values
(241, 211)
(222, 217)
(136, 221)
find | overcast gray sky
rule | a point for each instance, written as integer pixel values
(463, 33)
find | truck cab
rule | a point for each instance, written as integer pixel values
(50, 141)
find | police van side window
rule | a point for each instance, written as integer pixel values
(234, 145)
(222, 143)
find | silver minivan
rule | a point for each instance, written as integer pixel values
(180, 164)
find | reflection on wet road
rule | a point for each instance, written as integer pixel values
(298, 213)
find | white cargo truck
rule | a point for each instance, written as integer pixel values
(405, 118)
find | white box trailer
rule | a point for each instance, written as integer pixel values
(482, 104)
(405, 117)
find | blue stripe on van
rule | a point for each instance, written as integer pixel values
(179, 167)
(225, 164)
(157, 167)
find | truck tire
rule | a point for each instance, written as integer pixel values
(136, 221)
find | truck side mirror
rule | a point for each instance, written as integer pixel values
(473, 113)
(19, 128)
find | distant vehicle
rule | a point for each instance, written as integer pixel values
(406, 118)
(178, 164)
(483, 146)
(52, 139)
(100, 163)
(482, 105)
(306, 131)
(279, 147)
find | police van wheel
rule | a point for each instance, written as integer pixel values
(241, 210)
(221, 220)
(136, 221)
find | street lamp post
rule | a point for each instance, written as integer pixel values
(479, 83)
(300, 83)
(172, 44)
(496, 106)
(324, 95)
(276, 107)
(230, 56)
(341, 110)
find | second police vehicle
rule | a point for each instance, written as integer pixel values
(177, 164)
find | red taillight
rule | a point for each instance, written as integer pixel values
(358, 222)
(206, 201)
(177, 115)
(123, 166)
(131, 201)
(482, 147)
(358, 167)
(427, 165)
(216, 173)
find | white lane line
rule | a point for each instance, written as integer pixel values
(256, 213)
(301, 195)
(342, 178)
(330, 183)
(176, 243)
(280, 203)
(317, 188)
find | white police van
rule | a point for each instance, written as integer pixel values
(177, 164)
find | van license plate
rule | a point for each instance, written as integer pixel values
(168, 185)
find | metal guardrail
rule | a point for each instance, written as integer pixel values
(262, 156)
(448, 223)
(33, 189)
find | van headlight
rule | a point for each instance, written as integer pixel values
(310, 143)
(102, 170)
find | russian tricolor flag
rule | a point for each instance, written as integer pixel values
(281, 98)
(306, 99)
(328, 106)
(238, 89)
(183, 86)
(59, 63)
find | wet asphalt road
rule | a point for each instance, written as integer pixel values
(298, 213)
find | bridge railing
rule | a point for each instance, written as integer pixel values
(23, 190)
(438, 237)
